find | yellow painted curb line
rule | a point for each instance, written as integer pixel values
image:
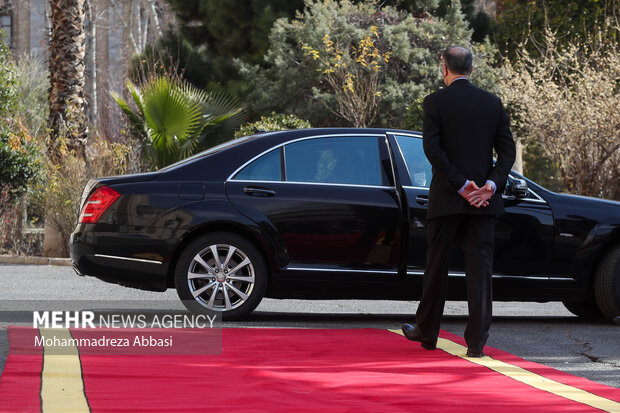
(62, 387)
(527, 377)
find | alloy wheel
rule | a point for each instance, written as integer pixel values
(221, 277)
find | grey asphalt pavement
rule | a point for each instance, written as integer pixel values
(545, 333)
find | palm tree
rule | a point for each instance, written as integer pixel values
(172, 117)
(66, 61)
(66, 97)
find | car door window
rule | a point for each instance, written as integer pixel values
(265, 168)
(420, 170)
(341, 160)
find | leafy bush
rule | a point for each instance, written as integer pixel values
(28, 117)
(32, 85)
(222, 30)
(8, 81)
(20, 162)
(64, 182)
(293, 81)
(521, 21)
(565, 103)
(272, 123)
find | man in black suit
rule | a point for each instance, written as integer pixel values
(462, 125)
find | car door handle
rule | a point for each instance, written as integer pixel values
(253, 190)
(422, 199)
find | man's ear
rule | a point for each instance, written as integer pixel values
(445, 70)
(471, 70)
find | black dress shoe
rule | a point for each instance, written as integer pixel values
(475, 353)
(413, 334)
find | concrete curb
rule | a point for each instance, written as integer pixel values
(29, 260)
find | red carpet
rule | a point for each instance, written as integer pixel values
(283, 370)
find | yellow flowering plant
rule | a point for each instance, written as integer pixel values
(352, 71)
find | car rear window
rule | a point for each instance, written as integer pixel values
(265, 168)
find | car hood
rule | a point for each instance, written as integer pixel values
(604, 208)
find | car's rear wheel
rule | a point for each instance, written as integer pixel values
(221, 272)
(607, 284)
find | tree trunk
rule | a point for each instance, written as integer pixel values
(92, 101)
(104, 120)
(53, 242)
(66, 61)
(518, 166)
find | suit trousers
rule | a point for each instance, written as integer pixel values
(477, 234)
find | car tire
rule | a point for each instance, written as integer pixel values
(232, 284)
(607, 284)
(583, 309)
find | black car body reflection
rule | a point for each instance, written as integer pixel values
(330, 213)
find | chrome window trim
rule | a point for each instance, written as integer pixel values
(314, 183)
(128, 259)
(283, 174)
(395, 135)
(402, 156)
(531, 201)
(415, 187)
(537, 196)
(416, 272)
(415, 135)
(376, 135)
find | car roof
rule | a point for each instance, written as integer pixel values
(226, 157)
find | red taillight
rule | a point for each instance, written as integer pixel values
(97, 203)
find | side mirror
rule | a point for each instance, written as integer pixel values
(518, 188)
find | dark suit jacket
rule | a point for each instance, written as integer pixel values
(462, 126)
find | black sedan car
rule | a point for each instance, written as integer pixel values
(330, 214)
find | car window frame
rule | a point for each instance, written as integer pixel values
(404, 160)
(280, 161)
(382, 151)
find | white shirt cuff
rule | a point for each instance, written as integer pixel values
(460, 191)
(492, 184)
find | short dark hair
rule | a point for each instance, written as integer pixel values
(458, 59)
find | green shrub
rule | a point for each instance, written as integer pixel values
(20, 162)
(295, 79)
(8, 79)
(63, 184)
(32, 87)
(275, 122)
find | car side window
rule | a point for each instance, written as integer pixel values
(265, 168)
(420, 170)
(341, 160)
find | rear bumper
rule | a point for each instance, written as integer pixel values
(130, 259)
